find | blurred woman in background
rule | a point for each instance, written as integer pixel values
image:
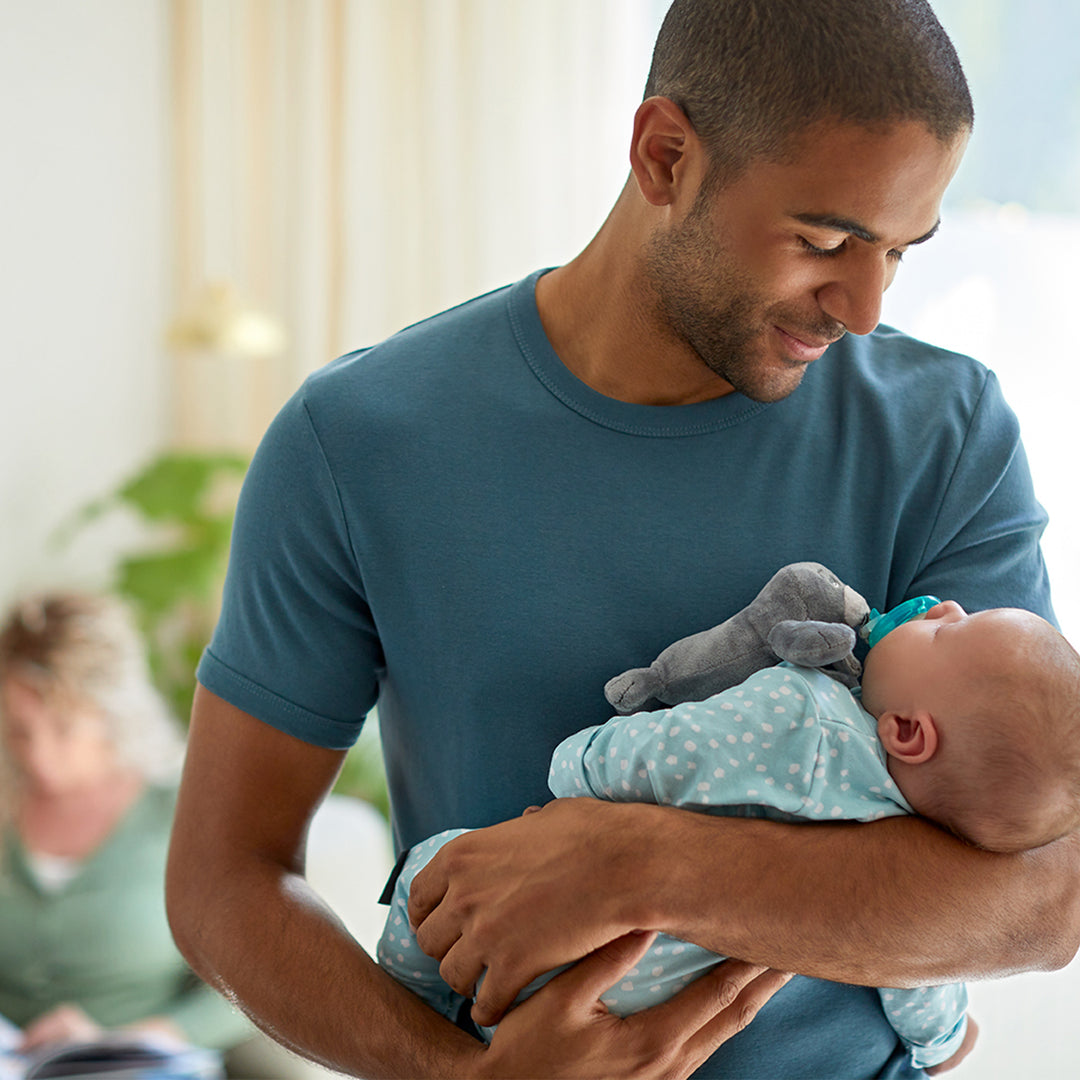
(89, 760)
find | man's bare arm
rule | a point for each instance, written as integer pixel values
(247, 921)
(896, 903)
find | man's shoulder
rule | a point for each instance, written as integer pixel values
(891, 388)
(887, 357)
(442, 346)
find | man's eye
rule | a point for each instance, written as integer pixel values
(813, 249)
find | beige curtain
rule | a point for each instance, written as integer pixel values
(350, 166)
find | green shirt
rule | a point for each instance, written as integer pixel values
(102, 941)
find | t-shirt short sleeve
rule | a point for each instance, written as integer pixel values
(992, 547)
(295, 645)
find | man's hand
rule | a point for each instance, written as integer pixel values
(522, 898)
(564, 1031)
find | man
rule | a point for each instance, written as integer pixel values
(481, 520)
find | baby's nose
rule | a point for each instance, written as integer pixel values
(947, 609)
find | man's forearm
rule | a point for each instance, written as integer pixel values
(248, 922)
(307, 984)
(266, 940)
(895, 903)
(250, 925)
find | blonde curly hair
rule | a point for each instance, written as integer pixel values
(85, 648)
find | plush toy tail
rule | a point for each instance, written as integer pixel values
(629, 691)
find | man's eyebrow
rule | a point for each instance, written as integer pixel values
(841, 224)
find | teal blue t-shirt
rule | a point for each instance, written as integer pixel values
(453, 525)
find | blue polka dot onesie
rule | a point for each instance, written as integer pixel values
(788, 744)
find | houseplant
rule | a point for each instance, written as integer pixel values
(185, 500)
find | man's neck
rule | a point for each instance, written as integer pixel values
(604, 322)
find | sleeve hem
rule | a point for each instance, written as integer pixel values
(278, 712)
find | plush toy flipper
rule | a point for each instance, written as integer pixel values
(825, 645)
(811, 643)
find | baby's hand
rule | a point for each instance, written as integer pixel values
(966, 1047)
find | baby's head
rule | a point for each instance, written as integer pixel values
(980, 717)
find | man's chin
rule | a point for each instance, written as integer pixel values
(757, 369)
(770, 386)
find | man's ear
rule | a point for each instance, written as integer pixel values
(912, 739)
(665, 150)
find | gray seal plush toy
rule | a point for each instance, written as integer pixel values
(805, 615)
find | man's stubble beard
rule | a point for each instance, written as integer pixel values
(709, 303)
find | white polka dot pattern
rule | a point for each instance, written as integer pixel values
(814, 756)
(789, 743)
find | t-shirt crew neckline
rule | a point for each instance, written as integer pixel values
(663, 421)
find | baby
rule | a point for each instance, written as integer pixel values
(969, 720)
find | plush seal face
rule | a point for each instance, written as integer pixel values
(806, 590)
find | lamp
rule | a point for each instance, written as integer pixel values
(219, 323)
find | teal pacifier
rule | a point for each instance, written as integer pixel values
(879, 624)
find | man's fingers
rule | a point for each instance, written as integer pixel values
(747, 1002)
(697, 1005)
(701, 1018)
(426, 893)
(493, 998)
(585, 981)
(431, 918)
(600, 970)
(715, 1006)
(567, 1018)
(436, 936)
(460, 970)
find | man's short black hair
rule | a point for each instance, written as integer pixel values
(751, 74)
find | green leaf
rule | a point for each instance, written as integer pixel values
(174, 486)
(157, 583)
(362, 776)
(209, 535)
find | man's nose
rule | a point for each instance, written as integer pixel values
(854, 297)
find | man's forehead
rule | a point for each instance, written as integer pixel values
(882, 182)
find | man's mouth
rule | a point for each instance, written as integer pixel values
(804, 349)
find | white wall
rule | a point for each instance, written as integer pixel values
(84, 272)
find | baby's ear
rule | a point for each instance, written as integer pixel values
(912, 739)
